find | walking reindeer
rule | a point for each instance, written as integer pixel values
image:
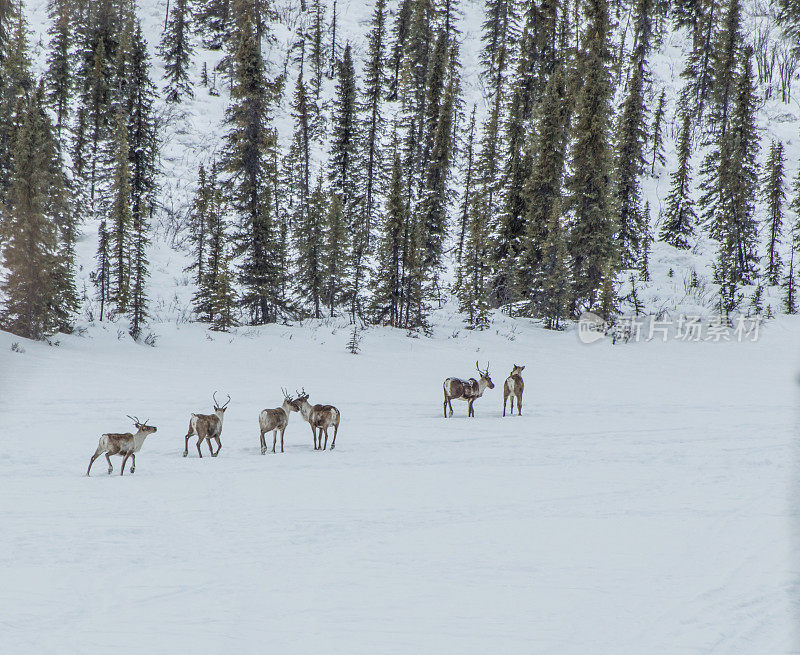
(126, 445)
(513, 387)
(319, 417)
(469, 390)
(276, 419)
(208, 427)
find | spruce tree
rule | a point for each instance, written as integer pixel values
(176, 49)
(38, 285)
(591, 243)
(308, 232)
(59, 61)
(657, 146)
(468, 177)
(473, 294)
(15, 83)
(775, 195)
(543, 188)
(387, 282)
(399, 35)
(631, 136)
(680, 216)
(554, 281)
(213, 21)
(102, 274)
(372, 123)
(223, 297)
(740, 181)
(345, 224)
(248, 162)
(119, 220)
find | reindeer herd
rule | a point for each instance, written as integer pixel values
(208, 427)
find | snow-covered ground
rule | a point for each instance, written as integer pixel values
(645, 502)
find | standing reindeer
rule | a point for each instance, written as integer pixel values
(276, 419)
(126, 445)
(513, 387)
(208, 427)
(319, 417)
(469, 390)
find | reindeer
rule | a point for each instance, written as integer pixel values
(468, 390)
(208, 427)
(276, 419)
(513, 387)
(126, 445)
(319, 417)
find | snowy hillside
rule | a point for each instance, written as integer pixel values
(193, 130)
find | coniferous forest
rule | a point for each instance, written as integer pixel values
(537, 172)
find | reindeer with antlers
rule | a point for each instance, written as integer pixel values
(319, 417)
(469, 390)
(208, 427)
(126, 445)
(276, 419)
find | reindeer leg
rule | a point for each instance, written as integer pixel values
(91, 461)
(188, 434)
(470, 411)
(124, 460)
(219, 445)
(110, 467)
(450, 405)
(263, 444)
(519, 405)
(314, 434)
(444, 406)
(282, 431)
(210, 448)
(335, 430)
(325, 447)
(274, 439)
(505, 398)
(133, 464)
(199, 441)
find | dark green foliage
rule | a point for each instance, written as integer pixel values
(308, 232)
(775, 195)
(631, 136)
(657, 134)
(38, 287)
(59, 61)
(680, 217)
(249, 164)
(176, 49)
(543, 187)
(387, 281)
(591, 244)
(213, 21)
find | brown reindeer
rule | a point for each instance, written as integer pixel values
(513, 387)
(276, 419)
(469, 390)
(319, 417)
(208, 427)
(126, 445)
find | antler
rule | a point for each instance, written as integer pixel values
(135, 420)
(485, 372)
(214, 396)
(285, 394)
(227, 401)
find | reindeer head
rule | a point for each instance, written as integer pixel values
(142, 426)
(293, 405)
(517, 370)
(217, 408)
(485, 375)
